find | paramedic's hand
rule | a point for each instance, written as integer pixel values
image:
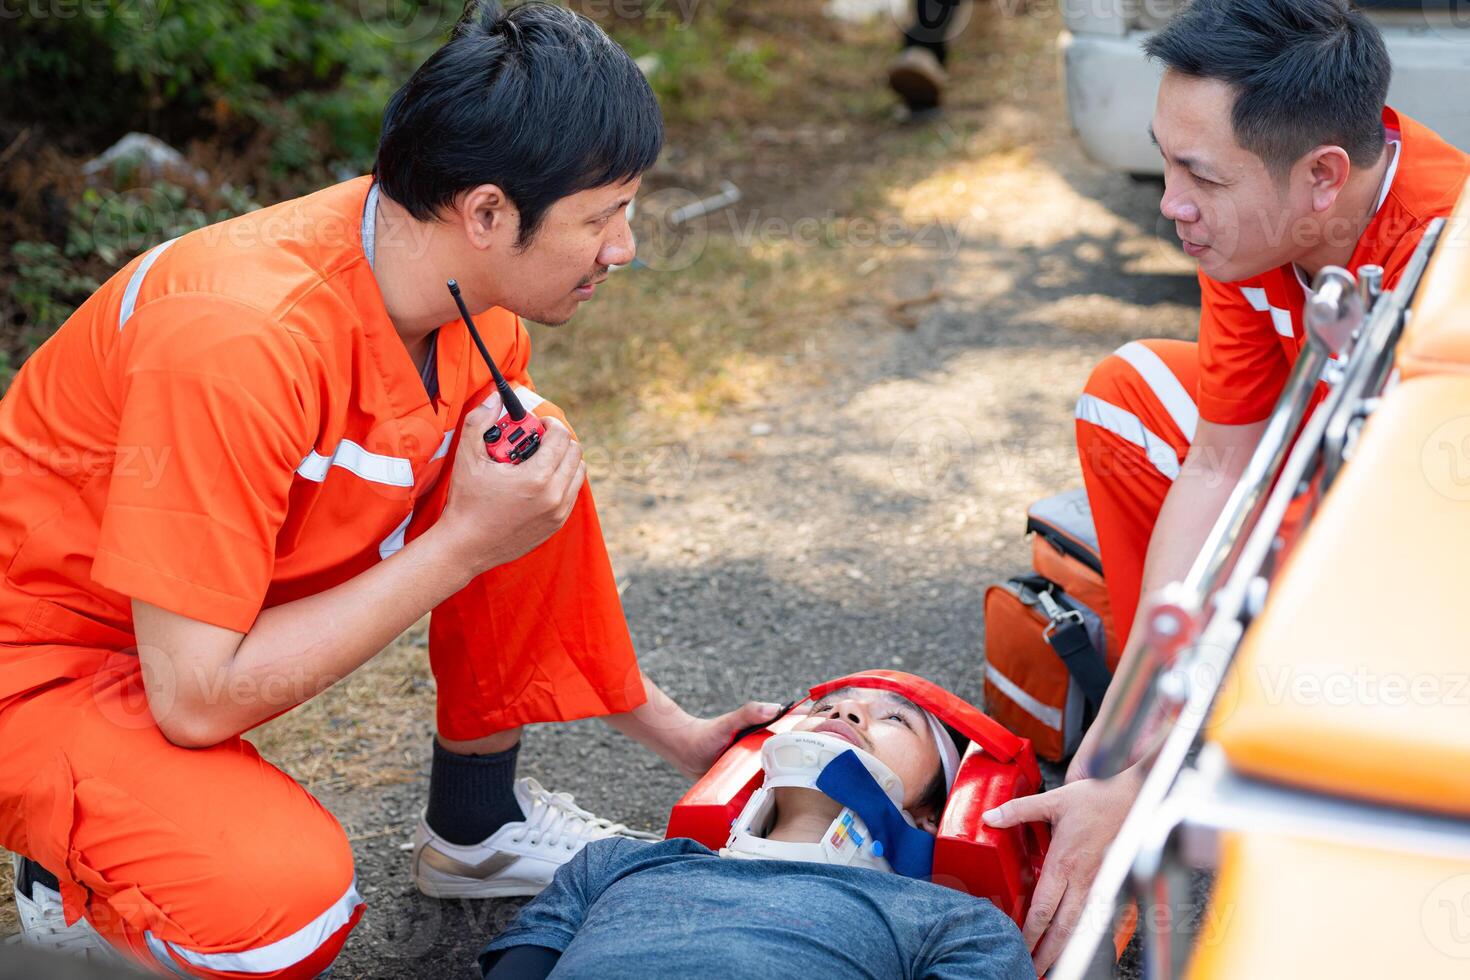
(497, 512)
(1085, 816)
(704, 740)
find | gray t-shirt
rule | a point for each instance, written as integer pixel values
(632, 909)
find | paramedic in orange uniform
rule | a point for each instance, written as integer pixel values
(254, 457)
(1280, 158)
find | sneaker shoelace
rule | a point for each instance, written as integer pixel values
(555, 820)
(52, 932)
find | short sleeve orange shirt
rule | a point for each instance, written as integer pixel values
(229, 423)
(1252, 331)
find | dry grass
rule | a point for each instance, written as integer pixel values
(367, 731)
(9, 921)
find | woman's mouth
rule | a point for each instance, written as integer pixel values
(842, 730)
(1192, 250)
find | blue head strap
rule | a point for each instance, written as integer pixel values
(909, 851)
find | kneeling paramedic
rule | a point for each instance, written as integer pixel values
(1280, 158)
(254, 457)
(824, 874)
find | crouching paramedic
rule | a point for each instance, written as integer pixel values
(1280, 158)
(254, 457)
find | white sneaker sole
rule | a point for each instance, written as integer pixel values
(499, 888)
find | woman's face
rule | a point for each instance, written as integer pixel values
(888, 726)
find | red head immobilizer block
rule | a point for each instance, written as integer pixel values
(1001, 865)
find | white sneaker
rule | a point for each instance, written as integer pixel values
(43, 925)
(519, 858)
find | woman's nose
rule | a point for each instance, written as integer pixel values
(854, 712)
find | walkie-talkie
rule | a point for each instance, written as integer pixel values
(517, 436)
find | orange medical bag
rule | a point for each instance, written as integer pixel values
(1050, 649)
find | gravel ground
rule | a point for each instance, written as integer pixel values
(849, 523)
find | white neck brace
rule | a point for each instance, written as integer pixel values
(796, 759)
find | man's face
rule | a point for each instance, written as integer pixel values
(887, 726)
(1232, 215)
(581, 236)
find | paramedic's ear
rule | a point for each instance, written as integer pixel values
(1329, 168)
(485, 212)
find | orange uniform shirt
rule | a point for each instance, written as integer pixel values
(1251, 331)
(230, 423)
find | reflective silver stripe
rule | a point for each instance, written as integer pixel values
(393, 543)
(1165, 386)
(528, 398)
(130, 295)
(1126, 426)
(443, 449)
(393, 471)
(159, 949)
(1280, 319)
(1044, 713)
(279, 955)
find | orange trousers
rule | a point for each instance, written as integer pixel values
(1136, 419)
(206, 863)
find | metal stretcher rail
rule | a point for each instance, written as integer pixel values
(1201, 621)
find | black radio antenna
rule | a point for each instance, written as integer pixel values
(508, 398)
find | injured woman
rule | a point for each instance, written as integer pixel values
(825, 873)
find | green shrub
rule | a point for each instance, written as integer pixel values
(183, 68)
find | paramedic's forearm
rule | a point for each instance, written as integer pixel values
(656, 724)
(297, 649)
(689, 744)
(1191, 507)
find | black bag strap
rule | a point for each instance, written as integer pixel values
(1067, 635)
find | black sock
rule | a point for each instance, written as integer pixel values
(32, 873)
(472, 796)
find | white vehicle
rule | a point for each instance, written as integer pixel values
(1111, 85)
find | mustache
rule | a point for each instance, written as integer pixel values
(600, 274)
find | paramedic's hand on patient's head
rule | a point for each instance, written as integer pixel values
(704, 740)
(1085, 816)
(497, 512)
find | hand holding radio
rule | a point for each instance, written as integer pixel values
(496, 513)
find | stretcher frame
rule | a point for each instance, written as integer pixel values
(1194, 629)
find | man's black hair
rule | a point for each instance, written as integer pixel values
(1305, 73)
(537, 100)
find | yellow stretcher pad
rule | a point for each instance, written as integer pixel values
(1356, 679)
(1285, 907)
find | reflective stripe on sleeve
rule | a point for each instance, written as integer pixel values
(135, 283)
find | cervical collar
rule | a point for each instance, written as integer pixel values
(871, 795)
